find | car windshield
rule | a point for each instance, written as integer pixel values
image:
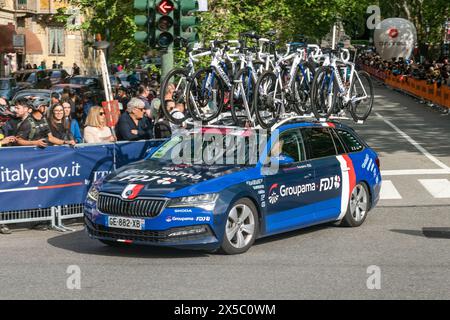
(29, 77)
(237, 147)
(4, 84)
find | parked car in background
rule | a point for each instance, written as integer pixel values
(8, 88)
(44, 93)
(58, 76)
(27, 79)
(123, 79)
(40, 79)
(79, 90)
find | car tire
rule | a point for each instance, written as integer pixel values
(241, 227)
(358, 207)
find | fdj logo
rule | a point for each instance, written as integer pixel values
(330, 183)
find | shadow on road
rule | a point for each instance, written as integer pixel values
(435, 233)
(79, 242)
(293, 234)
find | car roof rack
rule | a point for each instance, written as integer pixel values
(309, 117)
(289, 118)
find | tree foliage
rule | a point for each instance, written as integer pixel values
(428, 16)
(227, 18)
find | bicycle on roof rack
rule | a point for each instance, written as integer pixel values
(261, 87)
(284, 90)
(254, 62)
(337, 86)
(210, 87)
(175, 84)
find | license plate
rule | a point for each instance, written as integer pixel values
(126, 223)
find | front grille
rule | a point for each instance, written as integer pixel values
(142, 208)
(150, 236)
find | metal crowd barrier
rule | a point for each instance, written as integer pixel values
(54, 215)
(32, 215)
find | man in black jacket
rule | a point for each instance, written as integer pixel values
(132, 124)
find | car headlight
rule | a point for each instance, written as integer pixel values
(93, 193)
(204, 201)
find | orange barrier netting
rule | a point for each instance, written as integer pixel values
(419, 88)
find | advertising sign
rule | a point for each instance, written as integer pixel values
(394, 38)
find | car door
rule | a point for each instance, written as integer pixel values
(290, 186)
(321, 151)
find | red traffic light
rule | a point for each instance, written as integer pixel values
(165, 6)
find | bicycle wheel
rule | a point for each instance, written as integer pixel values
(301, 88)
(324, 93)
(361, 93)
(241, 95)
(206, 95)
(268, 100)
(174, 87)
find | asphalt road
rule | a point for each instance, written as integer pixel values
(406, 238)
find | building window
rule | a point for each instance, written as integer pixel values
(56, 42)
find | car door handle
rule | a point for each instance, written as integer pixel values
(308, 176)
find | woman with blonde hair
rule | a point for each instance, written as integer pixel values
(95, 130)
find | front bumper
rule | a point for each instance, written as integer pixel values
(177, 236)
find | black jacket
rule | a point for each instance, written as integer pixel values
(126, 124)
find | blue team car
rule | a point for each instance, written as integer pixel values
(211, 189)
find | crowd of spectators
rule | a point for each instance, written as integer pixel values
(432, 71)
(69, 119)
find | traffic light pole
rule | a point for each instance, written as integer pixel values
(167, 61)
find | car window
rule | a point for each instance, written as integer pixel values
(338, 143)
(319, 142)
(55, 74)
(4, 84)
(290, 144)
(352, 143)
(31, 77)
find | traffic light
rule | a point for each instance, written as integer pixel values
(146, 21)
(164, 33)
(188, 22)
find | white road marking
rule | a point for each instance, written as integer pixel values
(438, 188)
(388, 191)
(414, 143)
(413, 172)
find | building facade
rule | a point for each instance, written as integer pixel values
(31, 33)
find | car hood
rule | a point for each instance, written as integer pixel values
(161, 178)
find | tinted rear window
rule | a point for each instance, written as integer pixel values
(351, 142)
(319, 142)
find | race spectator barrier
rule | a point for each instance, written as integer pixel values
(51, 184)
(439, 95)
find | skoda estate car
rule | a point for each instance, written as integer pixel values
(211, 189)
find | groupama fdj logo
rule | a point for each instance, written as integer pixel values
(325, 184)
